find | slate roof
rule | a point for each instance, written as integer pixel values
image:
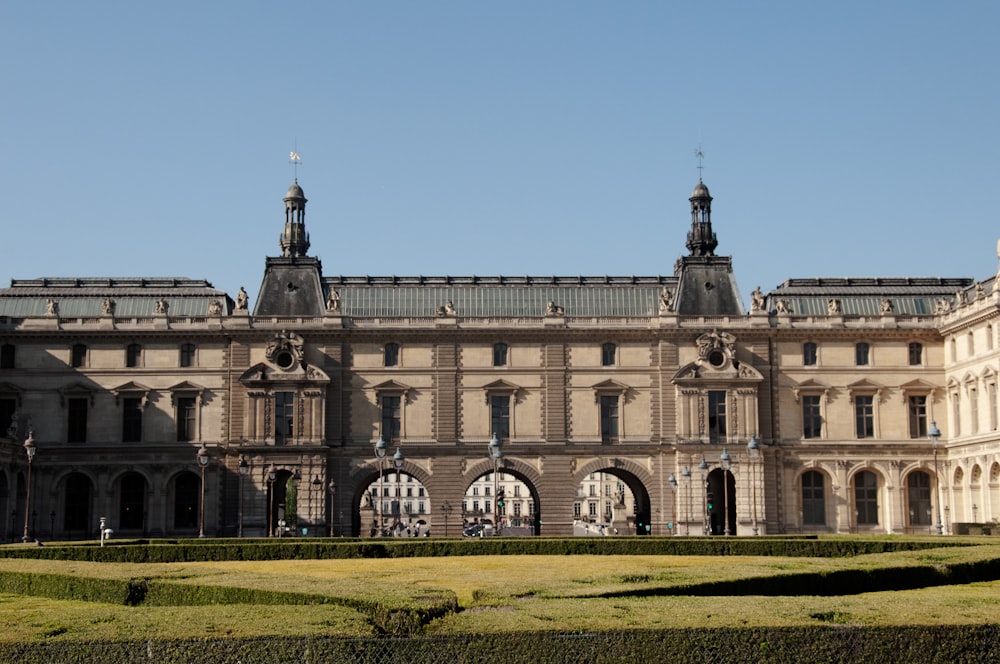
(863, 295)
(499, 296)
(134, 297)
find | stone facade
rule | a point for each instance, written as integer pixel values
(657, 384)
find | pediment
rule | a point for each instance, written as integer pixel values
(130, 386)
(811, 386)
(501, 386)
(391, 386)
(262, 372)
(703, 372)
(186, 386)
(610, 386)
(918, 385)
(865, 386)
(8, 388)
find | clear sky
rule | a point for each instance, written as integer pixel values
(848, 138)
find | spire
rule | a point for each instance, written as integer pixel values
(701, 240)
(294, 240)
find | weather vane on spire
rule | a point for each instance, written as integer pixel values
(295, 159)
(700, 155)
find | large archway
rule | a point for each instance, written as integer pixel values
(77, 506)
(132, 503)
(622, 503)
(501, 503)
(721, 502)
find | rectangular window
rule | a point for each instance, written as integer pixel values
(864, 416)
(716, 415)
(78, 356)
(284, 417)
(76, 425)
(187, 355)
(7, 356)
(8, 407)
(813, 502)
(500, 416)
(866, 498)
(991, 392)
(499, 355)
(956, 414)
(608, 355)
(809, 354)
(592, 509)
(186, 420)
(132, 420)
(916, 353)
(918, 416)
(609, 418)
(391, 418)
(973, 410)
(390, 355)
(861, 354)
(812, 421)
(133, 355)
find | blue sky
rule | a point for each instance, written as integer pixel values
(840, 139)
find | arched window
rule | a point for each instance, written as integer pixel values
(813, 499)
(866, 498)
(132, 502)
(391, 355)
(186, 489)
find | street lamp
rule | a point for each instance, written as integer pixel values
(724, 463)
(272, 476)
(934, 434)
(686, 478)
(202, 461)
(397, 461)
(496, 454)
(315, 488)
(332, 489)
(703, 469)
(446, 510)
(672, 483)
(29, 448)
(244, 468)
(380, 451)
(753, 453)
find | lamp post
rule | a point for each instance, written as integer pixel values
(315, 488)
(495, 454)
(331, 489)
(724, 463)
(203, 462)
(244, 469)
(29, 448)
(380, 451)
(753, 453)
(935, 434)
(686, 478)
(672, 483)
(397, 461)
(446, 511)
(703, 469)
(272, 476)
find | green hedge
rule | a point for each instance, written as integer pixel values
(172, 551)
(959, 644)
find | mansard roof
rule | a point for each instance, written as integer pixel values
(499, 296)
(133, 297)
(864, 295)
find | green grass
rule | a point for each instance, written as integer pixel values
(495, 594)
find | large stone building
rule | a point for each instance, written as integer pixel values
(170, 408)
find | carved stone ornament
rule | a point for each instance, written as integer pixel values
(285, 350)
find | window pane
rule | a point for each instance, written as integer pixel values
(809, 354)
(866, 498)
(918, 487)
(918, 416)
(187, 355)
(609, 418)
(186, 418)
(79, 356)
(500, 416)
(861, 354)
(133, 354)
(76, 430)
(608, 355)
(864, 416)
(500, 355)
(916, 352)
(391, 357)
(132, 420)
(284, 417)
(716, 415)
(812, 422)
(390, 418)
(813, 502)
